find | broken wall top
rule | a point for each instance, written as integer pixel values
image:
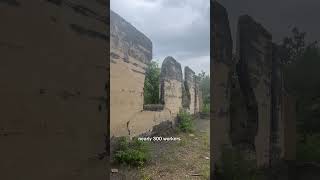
(131, 41)
(255, 46)
(189, 75)
(247, 23)
(171, 69)
(222, 42)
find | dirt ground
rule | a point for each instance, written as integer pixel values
(174, 160)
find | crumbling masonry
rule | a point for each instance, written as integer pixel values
(251, 110)
(130, 53)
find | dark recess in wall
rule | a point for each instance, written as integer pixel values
(90, 33)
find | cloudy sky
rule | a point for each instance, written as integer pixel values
(278, 16)
(177, 28)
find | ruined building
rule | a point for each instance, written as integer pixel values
(130, 54)
(251, 111)
(53, 78)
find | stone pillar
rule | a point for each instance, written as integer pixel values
(198, 96)
(190, 88)
(171, 85)
(276, 123)
(254, 70)
(221, 59)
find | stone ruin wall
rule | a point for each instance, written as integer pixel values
(251, 110)
(171, 84)
(254, 70)
(129, 57)
(190, 86)
(198, 99)
(130, 54)
(53, 78)
(220, 80)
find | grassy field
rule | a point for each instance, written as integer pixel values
(174, 160)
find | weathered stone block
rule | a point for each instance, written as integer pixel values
(171, 84)
(190, 88)
(131, 52)
(128, 40)
(256, 118)
(254, 71)
(221, 58)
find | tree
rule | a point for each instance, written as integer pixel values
(294, 46)
(301, 63)
(205, 89)
(152, 83)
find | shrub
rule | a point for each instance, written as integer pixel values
(151, 84)
(206, 108)
(132, 153)
(185, 122)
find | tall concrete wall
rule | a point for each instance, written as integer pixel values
(276, 124)
(53, 94)
(190, 86)
(250, 106)
(171, 85)
(255, 67)
(198, 96)
(220, 80)
(146, 120)
(130, 54)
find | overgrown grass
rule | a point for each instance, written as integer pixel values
(132, 153)
(205, 171)
(185, 121)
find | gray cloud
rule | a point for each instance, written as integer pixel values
(178, 28)
(278, 16)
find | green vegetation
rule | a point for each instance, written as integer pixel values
(152, 83)
(206, 108)
(133, 153)
(185, 121)
(205, 171)
(205, 89)
(301, 63)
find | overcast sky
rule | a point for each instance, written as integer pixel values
(278, 16)
(177, 28)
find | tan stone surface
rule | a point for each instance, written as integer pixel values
(130, 53)
(220, 78)
(173, 95)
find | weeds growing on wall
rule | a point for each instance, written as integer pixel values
(185, 121)
(132, 153)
